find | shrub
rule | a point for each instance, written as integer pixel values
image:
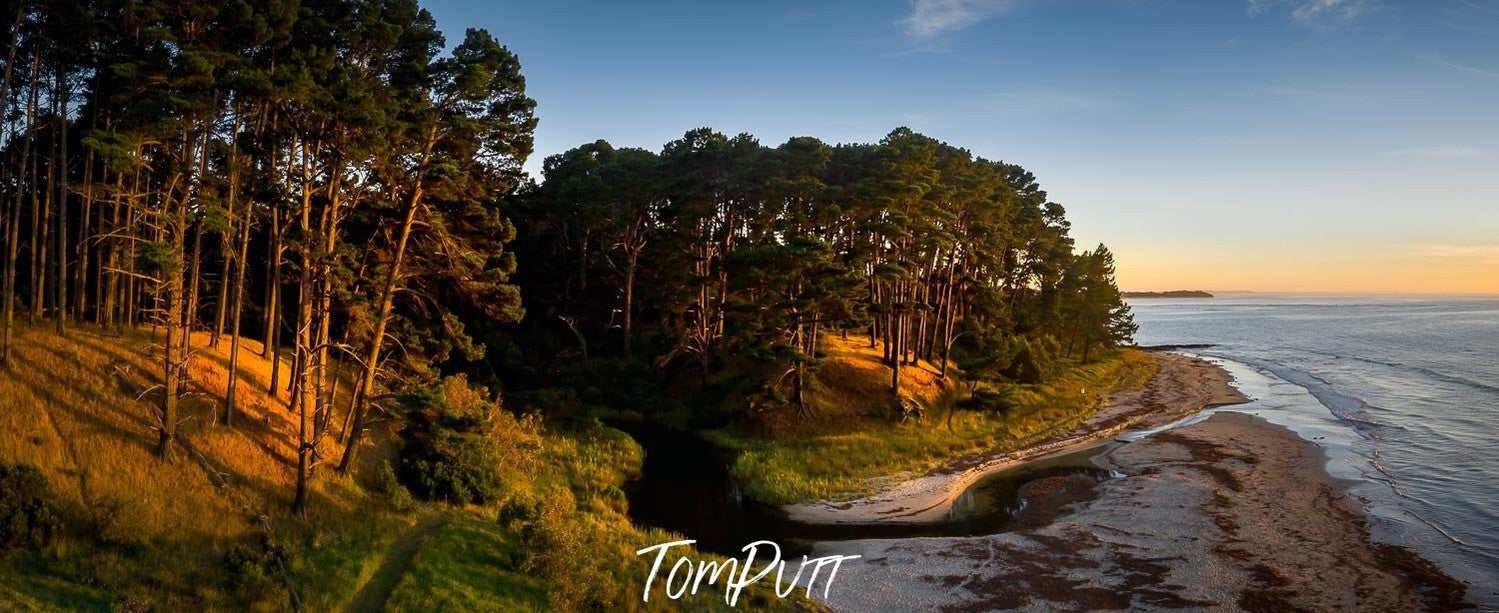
(388, 487)
(566, 549)
(29, 518)
(454, 466)
(998, 399)
(1033, 360)
(105, 517)
(252, 568)
(519, 510)
(461, 447)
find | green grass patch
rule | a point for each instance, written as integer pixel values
(27, 585)
(327, 566)
(847, 465)
(471, 563)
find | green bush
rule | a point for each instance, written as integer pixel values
(519, 510)
(29, 518)
(566, 548)
(452, 465)
(461, 447)
(387, 486)
(999, 399)
(1034, 359)
(252, 568)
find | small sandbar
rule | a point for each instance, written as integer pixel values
(1184, 385)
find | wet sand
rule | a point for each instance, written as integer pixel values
(1184, 385)
(1230, 513)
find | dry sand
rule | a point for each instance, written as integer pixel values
(1184, 385)
(1230, 513)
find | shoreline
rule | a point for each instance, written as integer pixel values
(1183, 386)
(1229, 512)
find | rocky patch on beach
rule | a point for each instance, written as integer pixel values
(1229, 513)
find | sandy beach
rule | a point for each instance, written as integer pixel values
(1229, 513)
(1184, 385)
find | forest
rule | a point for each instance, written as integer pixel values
(721, 253)
(338, 188)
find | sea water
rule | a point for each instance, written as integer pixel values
(1402, 392)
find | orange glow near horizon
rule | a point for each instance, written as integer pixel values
(1428, 271)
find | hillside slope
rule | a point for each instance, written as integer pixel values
(146, 530)
(140, 533)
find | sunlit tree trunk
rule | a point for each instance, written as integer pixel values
(382, 316)
(60, 286)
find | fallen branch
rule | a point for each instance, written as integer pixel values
(126, 379)
(261, 519)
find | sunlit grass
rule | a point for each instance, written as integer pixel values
(145, 533)
(471, 563)
(150, 530)
(861, 448)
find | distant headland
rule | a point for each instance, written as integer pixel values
(1181, 293)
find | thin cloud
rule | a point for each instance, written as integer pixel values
(1317, 95)
(1483, 72)
(1434, 152)
(1313, 11)
(1492, 10)
(1337, 94)
(930, 18)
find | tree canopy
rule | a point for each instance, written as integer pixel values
(321, 172)
(727, 255)
(336, 180)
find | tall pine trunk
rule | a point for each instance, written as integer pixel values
(236, 261)
(272, 346)
(382, 317)
(382, 320)
(41, 220)
(190, 317)
(13, 232)
(60, 300)
(630, 260)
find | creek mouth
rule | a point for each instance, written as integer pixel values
(685, 487)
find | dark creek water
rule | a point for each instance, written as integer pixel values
(685, 487)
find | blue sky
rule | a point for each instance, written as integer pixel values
(1269, 145)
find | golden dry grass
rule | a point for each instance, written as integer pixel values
(68, 414)
(852, 375)
(63, 410)
(850, 391)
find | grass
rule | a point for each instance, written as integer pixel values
(147, 533)
(143, 530)
(470, 563)
(142, 533)
(582, 557)
(850, 449)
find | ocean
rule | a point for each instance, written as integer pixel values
(1402, 392)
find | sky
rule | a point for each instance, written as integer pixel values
(1342, 146)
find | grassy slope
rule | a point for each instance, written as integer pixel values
(848, 449)
(471, 563)
(147, 532)
(144, 532)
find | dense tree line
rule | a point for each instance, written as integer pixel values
(321, 175)
(725, 254)
(328, 177)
